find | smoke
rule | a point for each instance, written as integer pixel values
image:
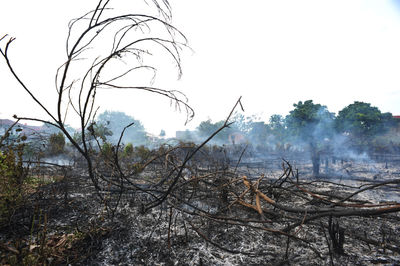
(111, 124)
(307, 130)
(290, 138)
(59, 160)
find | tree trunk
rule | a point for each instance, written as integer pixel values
(315, 159)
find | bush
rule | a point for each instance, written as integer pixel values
(143, 153)
(107, 150)
(56, 143)
(128, 150)
(12, 177)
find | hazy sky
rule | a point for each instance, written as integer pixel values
(272, 53)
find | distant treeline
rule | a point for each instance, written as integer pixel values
(359, 126)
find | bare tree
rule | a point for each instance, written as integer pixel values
(103, 51)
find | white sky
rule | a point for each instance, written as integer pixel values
(272, 53)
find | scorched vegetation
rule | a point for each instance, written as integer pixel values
(307, 189)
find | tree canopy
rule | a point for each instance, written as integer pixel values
(206, 128)
(362, 121)
(278, 128)
(258, 133)
(310, 122)
(116, 122)
(313, 124)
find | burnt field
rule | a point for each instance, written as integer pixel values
(222, 207)
(309, 188)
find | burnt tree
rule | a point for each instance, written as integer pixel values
(312, 124)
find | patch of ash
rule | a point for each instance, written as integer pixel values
(187, 236)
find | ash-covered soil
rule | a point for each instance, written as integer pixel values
(210, 219)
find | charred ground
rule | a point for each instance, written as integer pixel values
(225, 208)
(190, 203)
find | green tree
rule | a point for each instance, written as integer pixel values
(362, 122)
(259, 133)
(101, 131)
(116, 122)
(206, 128)
(94, 130)
(243, 124)
(277, 128)
(312, 124)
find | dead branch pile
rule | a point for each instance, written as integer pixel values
(253, 218)
(193, 213)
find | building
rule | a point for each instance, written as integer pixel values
(19, 129)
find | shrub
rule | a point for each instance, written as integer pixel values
(143, 153)
(107, 149)
(56, 143)
(128, 150)
(12, 177)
